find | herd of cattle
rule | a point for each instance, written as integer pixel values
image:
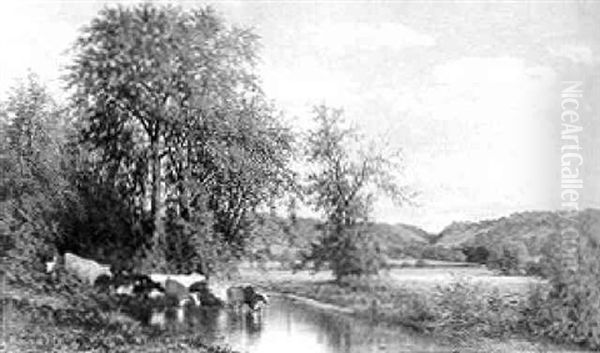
(182, 289)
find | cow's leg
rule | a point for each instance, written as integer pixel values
(238, 307)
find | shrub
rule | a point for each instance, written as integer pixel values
(26, 247)
(534, 268)
(464, 308)
(436, 252)
(420, 263)
(570, 310)
(477, 254)
(508, 258)
(351, 252)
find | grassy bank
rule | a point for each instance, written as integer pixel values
(455, 309)
(465, 311)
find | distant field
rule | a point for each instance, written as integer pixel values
(394, 263)
(431, 277)
(417, 278)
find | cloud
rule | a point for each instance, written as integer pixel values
(490, 73)
(298, 87)
(487, 132)
(578, 54)
(366, 36)
(30, 40)
(474, 70)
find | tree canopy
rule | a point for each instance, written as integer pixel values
(171, 106)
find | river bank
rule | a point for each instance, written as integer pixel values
(467, 314)
(38, 319)
(458, 318)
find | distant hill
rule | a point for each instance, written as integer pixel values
(401, 233)
(419, 234)
(282, 238)
(529, 234)
(534, 229)
(391, 236)
(397, 239)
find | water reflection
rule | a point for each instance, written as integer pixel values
(292, 327)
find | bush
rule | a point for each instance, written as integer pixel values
(478, 254)
(464, 308)
(459, 310)
(436, 252)
(570, 310)
(534, 268)
(420, 263)
(508, 258)
(353, 252)
(26, 248)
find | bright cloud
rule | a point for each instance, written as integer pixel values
(30, 40)
(579, 54)
(488, 133)
(361, 36)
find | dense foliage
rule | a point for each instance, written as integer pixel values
(177, 127)
(36, 193)
(162, 159)
(570, 310)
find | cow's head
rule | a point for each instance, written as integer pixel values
(192, 298)
(258, 301)
(262, 298)
(51, 264)
(196, 298)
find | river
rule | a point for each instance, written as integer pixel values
(290, 326)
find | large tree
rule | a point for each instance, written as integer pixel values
(172, 106)
(344, 180)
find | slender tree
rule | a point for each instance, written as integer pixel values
(34, 188)
(342, 184)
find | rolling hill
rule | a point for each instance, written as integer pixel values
(531, 233)
(533, 229)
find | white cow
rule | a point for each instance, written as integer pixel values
(84, 269)
(155, 294)
(219, 289)
(157, 318)
(125, 289)
(185, 280)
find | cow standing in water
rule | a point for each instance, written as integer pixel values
(181, 293)
(238, 296)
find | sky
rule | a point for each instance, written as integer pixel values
(469, 91)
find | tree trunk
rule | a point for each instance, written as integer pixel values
(156, 201)
(184, 178)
